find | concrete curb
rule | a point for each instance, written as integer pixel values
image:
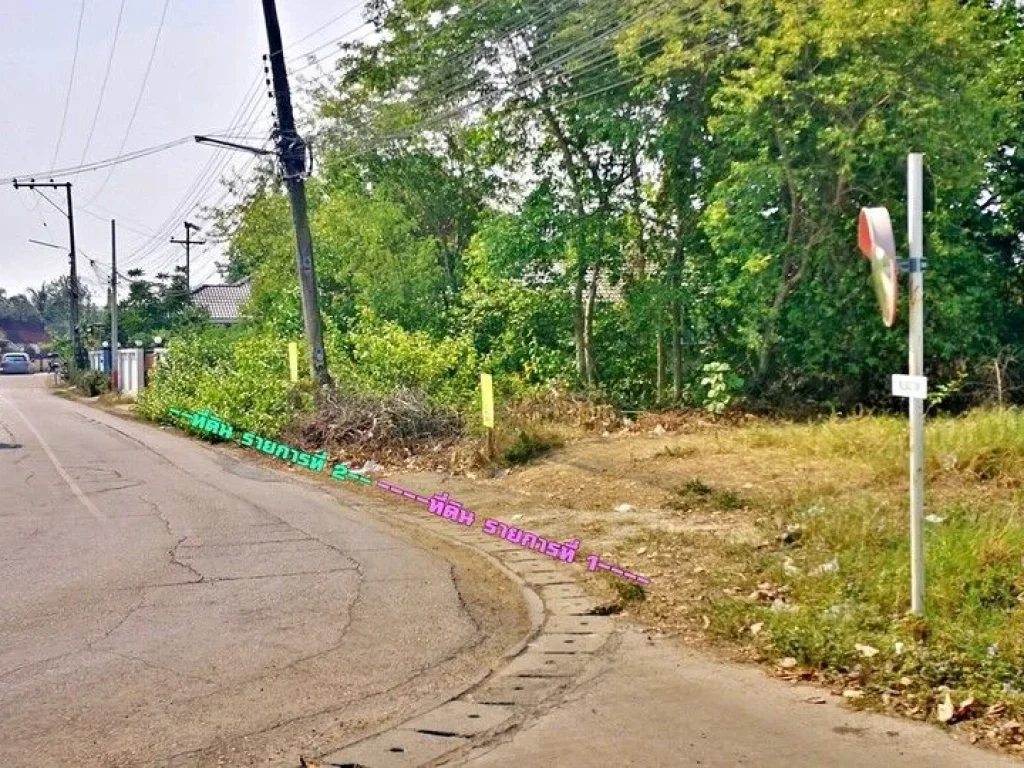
(564, 642)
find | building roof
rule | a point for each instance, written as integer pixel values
(23, 331)
(223, 302)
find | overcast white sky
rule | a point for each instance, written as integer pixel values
(208, 56)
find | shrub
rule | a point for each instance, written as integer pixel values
(242, 376)
(91, 383)
(382, 357)
(530, 445)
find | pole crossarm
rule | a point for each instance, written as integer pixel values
(233, 145)
(188, 242)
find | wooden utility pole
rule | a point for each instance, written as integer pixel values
(78, 359)
(291, 151)
(188, 242)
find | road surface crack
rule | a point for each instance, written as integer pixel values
(173, 551)
(161, 667)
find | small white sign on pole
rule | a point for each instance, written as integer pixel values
(910, 386)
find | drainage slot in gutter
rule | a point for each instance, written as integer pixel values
(446, 734)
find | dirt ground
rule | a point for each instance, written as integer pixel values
(625, 496)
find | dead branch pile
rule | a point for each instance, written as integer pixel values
(371, 426)
(558, 406)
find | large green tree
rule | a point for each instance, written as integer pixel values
(624, 192)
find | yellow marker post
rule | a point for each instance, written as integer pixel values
(487, 409)
(293, 360)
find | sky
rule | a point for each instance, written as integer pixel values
(206, 77)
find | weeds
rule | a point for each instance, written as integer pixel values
(530, 445)
(825, 577)
(695, 487)
(697, 492)
(89, 382)
(676, 451)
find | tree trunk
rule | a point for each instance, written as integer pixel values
(579, 321)
(677, 348)
(659, 378)
(792, 274)
(589, 353)
(572, 171)
(640, 266)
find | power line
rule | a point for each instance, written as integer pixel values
(100, 164)
(138, 99)
(216, 165)
(103, 87)
(556, 57)
(453, 64)
(120, 223)
(71, 82)
(169, 258)
(324, 26)
(462, 111)
(550, 56)
(212, 169)
(251, 99)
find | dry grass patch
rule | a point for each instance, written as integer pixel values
(788, 541)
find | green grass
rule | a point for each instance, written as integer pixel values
(972, 637)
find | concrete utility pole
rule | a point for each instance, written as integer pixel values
(114, 383)
(188, 242)
(79, 359)
(292, 153)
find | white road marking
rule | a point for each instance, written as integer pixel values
(56, 464)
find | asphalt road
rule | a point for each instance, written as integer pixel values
(165, 603)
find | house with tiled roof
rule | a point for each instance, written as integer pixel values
(223, 302)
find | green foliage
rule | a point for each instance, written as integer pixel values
(844, 581)
(379, 356)
(242, 376)
(159, 307)
(721, 384)
(682, 194)
(517, 328)
(18, 307)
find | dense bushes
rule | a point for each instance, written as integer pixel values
(379, 356)
(241, 375)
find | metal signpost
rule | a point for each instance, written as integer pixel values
(876, 242)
